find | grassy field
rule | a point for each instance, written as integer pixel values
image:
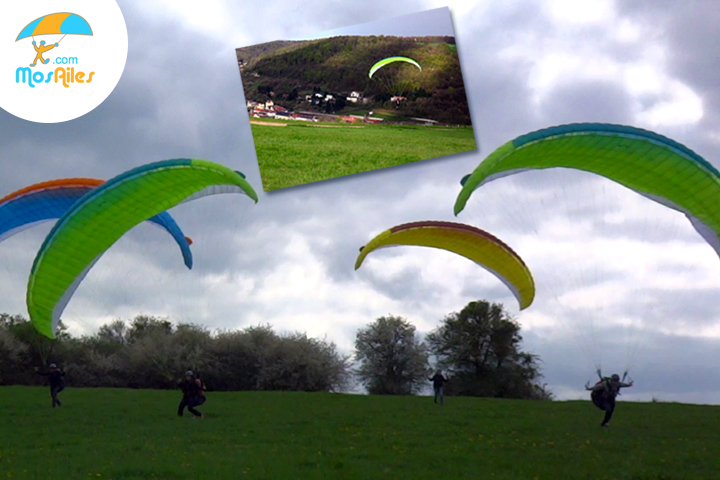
(302, 153)
(134, 434)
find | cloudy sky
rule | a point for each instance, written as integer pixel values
(620, 279)
(436, 21)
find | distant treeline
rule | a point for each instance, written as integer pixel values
(153, 353)
(339, 65)
(479, 348)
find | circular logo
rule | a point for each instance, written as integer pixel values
(60, 59)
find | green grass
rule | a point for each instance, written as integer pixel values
(134, 434)
(300, 154)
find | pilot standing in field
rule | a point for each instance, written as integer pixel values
(40, 50)
(57, 382)
(438, 386)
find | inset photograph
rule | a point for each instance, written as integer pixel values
(356, 99)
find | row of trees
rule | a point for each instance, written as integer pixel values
(152, 352)
(478, 347)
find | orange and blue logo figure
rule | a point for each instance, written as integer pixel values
(40, 50)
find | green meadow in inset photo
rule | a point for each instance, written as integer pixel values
(356, 99)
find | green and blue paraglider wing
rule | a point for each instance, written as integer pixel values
(101, 217)
(650, 164)
(47, 201)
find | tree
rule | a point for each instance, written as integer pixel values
(144, 326)
(296, 362)
(114, 333)
(393, 359)
(151, 352)
(13, 357)
(40, 348)
(480, 346)
(257, 358)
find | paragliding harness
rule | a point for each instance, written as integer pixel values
(198, 398)
(600, 397)
(194, 392)
(200, 388)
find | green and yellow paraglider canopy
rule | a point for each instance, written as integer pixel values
(389, 60)
(56, 24)
(650, 164)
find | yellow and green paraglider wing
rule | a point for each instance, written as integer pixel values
(389, 60)
(470, 242)
(650, 164)
(101, 217)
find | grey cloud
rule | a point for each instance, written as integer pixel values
(406, 286)
(168, 106)
(587, 101)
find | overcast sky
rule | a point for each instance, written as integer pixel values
(426, 23)
(618, 276)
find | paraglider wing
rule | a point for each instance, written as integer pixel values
(650, 164)
(389, 60)
(48, 201)
(470, 242)
(100, 218)
(56, 24)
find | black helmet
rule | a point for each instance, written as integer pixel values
(615, 377)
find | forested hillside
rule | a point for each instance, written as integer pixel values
(287, 72)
